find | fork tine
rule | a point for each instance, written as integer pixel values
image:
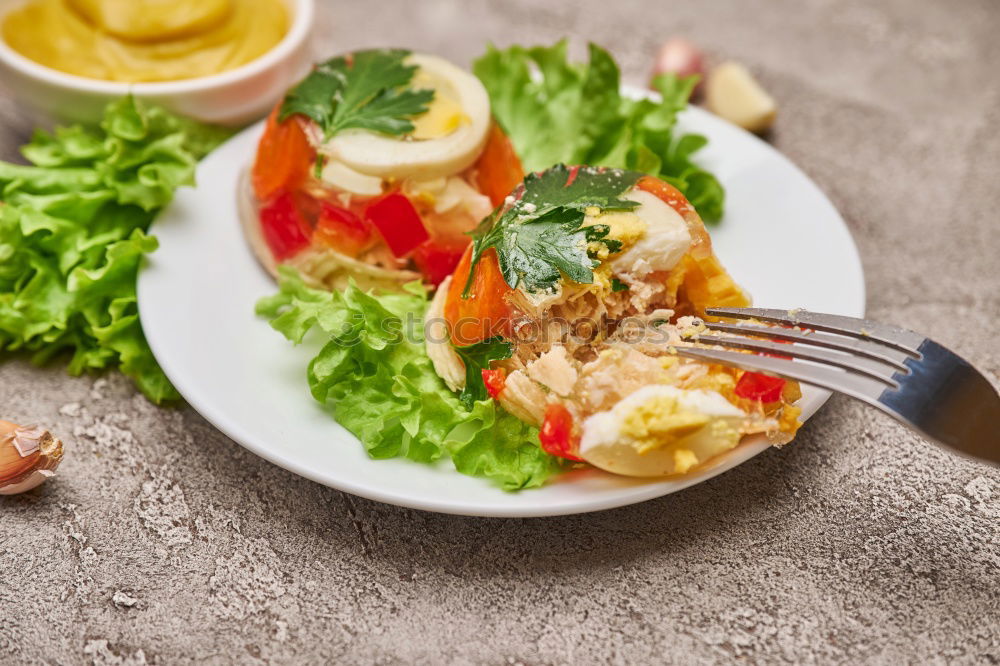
(859, 346)
(874, 369)
(897, 338)
(854, 385)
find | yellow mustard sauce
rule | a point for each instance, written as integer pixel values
(145, 40)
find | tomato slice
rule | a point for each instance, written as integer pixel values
(284, 157)
(486, 312)
(284, 228)
(556, 435)
(756, 386)
(398, 222)
(495, 379)
(498, 170)
(343, 230)
(438, 257)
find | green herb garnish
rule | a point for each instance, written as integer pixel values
(366, 90)
(541, 235)
(477, 358)
(617, 285)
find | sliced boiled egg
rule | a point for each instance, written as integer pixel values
(446, 138)
(347, 179)
(661, 430)
(664, 241)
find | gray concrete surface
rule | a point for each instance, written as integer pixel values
(164, 542)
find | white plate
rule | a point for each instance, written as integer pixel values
(781, 239)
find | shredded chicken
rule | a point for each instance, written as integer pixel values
(524, 398)
(554, 370)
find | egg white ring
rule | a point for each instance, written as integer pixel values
(386, 156)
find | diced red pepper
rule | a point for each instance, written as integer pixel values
(495, 379)
(573, 171)
(556, 435)
(343, 230)
(398, 222)
(755, 386)
(285, 230)
(437, 258)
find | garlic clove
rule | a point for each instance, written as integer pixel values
(680, 57)
(733, 93)
(28, 456)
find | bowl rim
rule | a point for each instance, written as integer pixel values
(303, 14)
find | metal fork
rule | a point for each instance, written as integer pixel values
(909, 377)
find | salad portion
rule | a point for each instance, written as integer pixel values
(561, 297)
(568, 309)
(375, 167)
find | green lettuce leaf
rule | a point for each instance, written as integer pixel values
(375, 377)
(73, 232)
(556, 112)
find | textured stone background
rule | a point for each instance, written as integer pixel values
(164, 542)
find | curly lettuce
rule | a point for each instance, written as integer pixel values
(73, 229)
(556, 111)
(375, 377)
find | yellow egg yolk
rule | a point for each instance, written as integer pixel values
(623, 226)
(663, 422)
(444, 115)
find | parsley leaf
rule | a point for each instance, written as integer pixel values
(541, 235)
(617, 285)
(366, 90)
(537, 249)
(477, 357)
(576, 188)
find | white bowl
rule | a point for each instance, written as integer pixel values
(234, 97)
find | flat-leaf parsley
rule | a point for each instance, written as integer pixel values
(365, 90)
(541, 235)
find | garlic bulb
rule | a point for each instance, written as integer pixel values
(28, 456)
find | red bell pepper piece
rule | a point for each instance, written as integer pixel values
(343, 229)
(283, 226)
(437, 258)
(494, 380)
(398, 222)
(556, 435)
(755, 386)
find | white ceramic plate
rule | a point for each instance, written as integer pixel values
(781, 239)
